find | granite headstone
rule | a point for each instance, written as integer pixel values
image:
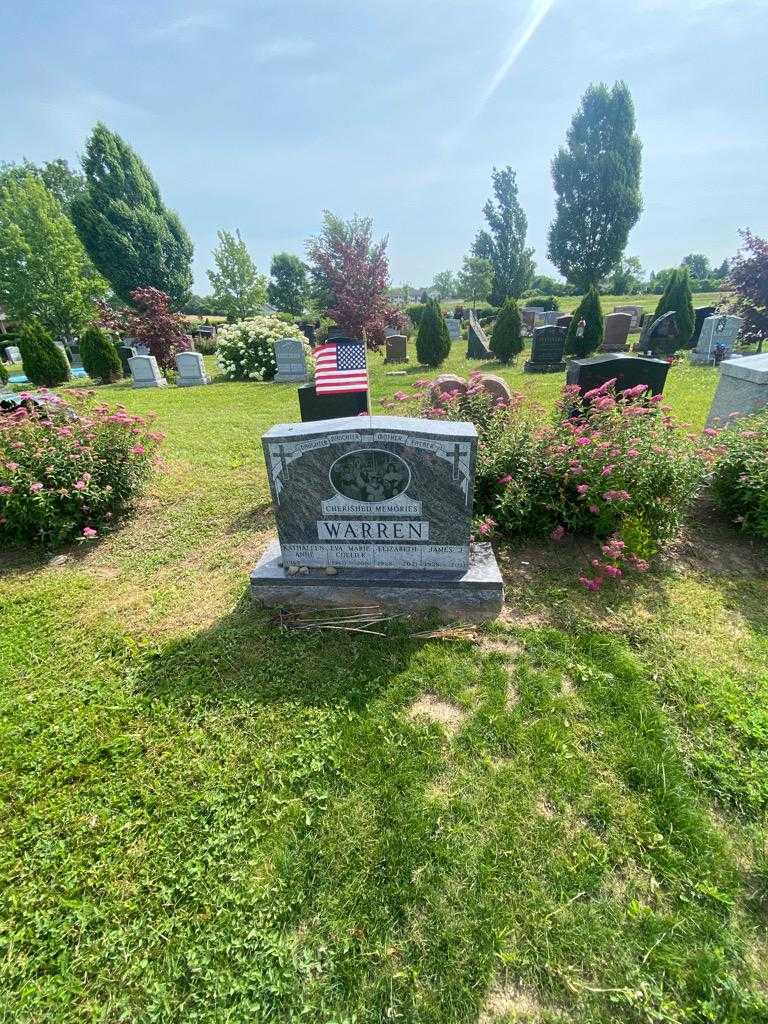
(314, 407)
(291, 359)
(660, 336)
(478, 346)
(376, 510)
(741, 390)
(635, 312)
(146, 373)
(397, 349)
(701, 313)
(564, 320)
(717, 332)
(13, 353)
(547, 351)
(126, 353)
(454, 328)
(616, 328)
(190, 370)
(628, 370)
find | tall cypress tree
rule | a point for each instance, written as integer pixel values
(433, 345)
(597, 180)
(504, 242)
(133, 240)
(589, 310)
(677, 296)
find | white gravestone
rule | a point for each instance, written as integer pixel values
(717, 330)
(291, 358)
(146, 373)
(742, 389)
(13, 354)
(190, 370)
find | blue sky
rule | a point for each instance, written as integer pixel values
(258, 115)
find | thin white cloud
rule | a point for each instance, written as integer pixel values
(282, 49)
(189, 26)
(537, 13)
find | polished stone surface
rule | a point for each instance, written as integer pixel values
(291, 359)
(629, 371)
(547, 350)
(741, 390)
(190, 370)
(382, 492)
(616, 327)
(478, 346)
(396, 349)
(475, 594)
(716, 331)
(454, 328)
(146, 373)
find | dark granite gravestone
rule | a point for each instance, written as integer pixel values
(376, 510)
(547, 351)
(478, 346)
(660, 336)
(330, 407)
(564, 320)
(629, 371)
(126, 352)
(397, 349)
(701, 312)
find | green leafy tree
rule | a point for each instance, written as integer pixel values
(3, 373)
(433, 344)
(590, 311)
(698, 265)
(133, 240)
(677, 296)
(597, 180)
(626, 278)
(99, 356)
(289, 288)
(659, 280)
(504, 242)
(507, 337)
(44, 271)
(238, 288)
(475, 278)
(43, 361)
(445, 284)
(58, 177)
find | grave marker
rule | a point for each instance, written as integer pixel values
(741, 390)
(291, 358)
(397, 349)
(636, 313)
(616, 327)
(628, 370)
(126, 353)
(146, 373)
(190, 370)
(478, 346)
(385, 504)
(547, 351)
(454, 328)
(716, 332)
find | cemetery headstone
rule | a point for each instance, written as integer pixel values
(454, 328)
(397, 349)
(701, 313)
(564, 320)
(126, 353)
(13, 353)
(496, 387)
(314, 407)
(636, 312)
(291, 359)
(717, 333)
(376, 511)
(146, 373)
(390, 332)
(445, 384)
(660, 335)
(741, 390)
(628, 370)
(190, 370)
(616, 328)
(478, 346)
(528, 314)
(547, 318)
(547, 351)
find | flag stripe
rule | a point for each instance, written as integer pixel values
(340, 368)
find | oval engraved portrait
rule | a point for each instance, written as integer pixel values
(370, 475)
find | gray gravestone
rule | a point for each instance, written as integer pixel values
(190, 370)
(701, 313)
(454, 328)
(660, 335)
(547, 351)
(528, 314)
(478, 346)
(385, 503)
(741, 390)
(564, 320)
(616, 328)
(390, 332)
(291, 359)
(397, 349)
(716, 331)
(13, 354)
(547, 318)
(636, 312)
(146, 373)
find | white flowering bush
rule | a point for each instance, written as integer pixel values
(246, 349)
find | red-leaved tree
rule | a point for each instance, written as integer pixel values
(353, 275)
(151, 322)
(748, 280)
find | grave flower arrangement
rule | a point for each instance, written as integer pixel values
(246, 349)
(740, 472)
(67, 473)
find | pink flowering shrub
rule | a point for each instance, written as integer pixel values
(740, 472)
(611, 465)
(65, 474)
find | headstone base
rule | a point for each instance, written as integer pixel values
(287, 378)
(160, 383)
(701, 359)
(330, 407)
(476, 595)
(530, 367)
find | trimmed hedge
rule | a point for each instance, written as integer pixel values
(507, 337)
(99, 356)
(44, 363)
(433, 343)
(588, 309)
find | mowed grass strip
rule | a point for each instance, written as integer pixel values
(209, 819)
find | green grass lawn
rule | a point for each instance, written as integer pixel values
(560, 817)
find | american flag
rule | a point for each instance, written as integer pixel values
(340, 366)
